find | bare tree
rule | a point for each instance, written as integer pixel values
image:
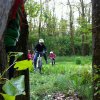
(40, 19)
(54, 18)
(83, 18)
(71, 27)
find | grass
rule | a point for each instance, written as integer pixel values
(64, 76)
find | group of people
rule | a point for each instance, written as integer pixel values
(40, 48)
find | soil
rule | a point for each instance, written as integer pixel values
(62, 96)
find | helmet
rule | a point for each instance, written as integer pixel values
(51, 51)
(41, 41)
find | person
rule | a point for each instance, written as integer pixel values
(29, 55)
(40, 48)
(52, 56)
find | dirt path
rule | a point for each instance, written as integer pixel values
(62, 96)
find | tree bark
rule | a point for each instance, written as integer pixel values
(3, 63)
(22, 46)
(5, 6)
(71, 28)
(83, 34)
(40, 19)
(96, 48)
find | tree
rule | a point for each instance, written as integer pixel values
(22, 47)
(71, 28)
(5, 7)
(84, 23)
(62, 27)
(83, 19)
(96, 48)
(33, 9)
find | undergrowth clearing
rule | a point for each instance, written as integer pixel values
(70, 75)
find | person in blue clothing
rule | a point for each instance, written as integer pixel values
(40, 48)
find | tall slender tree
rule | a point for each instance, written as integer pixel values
(83, 18)
(40, 19)
(71, 27)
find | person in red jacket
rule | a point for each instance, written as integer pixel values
(52, 56)
(29, 55)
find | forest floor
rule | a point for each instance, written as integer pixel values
(68, 79)
(62, 96)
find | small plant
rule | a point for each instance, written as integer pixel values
(78, 61)
(14, 86)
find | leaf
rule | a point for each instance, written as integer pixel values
(15, 86)
(16, 54)
(22, 65)
(8, 97)
(19, 54)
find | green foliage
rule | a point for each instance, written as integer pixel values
(84, 26)
(63, 27)
(32, 8)
(62, 45)
(55, 32)
(8, 97)
(60, 82)
(17, 55)
(15, 86)
(64, 76)
(24, 64)
(78, 60)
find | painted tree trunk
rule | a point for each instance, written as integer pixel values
(22, 47)
(5, 6)
(96, 48)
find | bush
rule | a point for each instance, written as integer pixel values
(78, 61)
(62, 45)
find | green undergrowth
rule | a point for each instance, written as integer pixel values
(65, 75)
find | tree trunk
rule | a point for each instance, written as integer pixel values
(3, 63)
(96, 48)
(71, 28)
(40, 17)
(83, 18)
(5, 6)
(22, 47)
(54, 16)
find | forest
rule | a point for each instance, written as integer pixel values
(67, 33)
